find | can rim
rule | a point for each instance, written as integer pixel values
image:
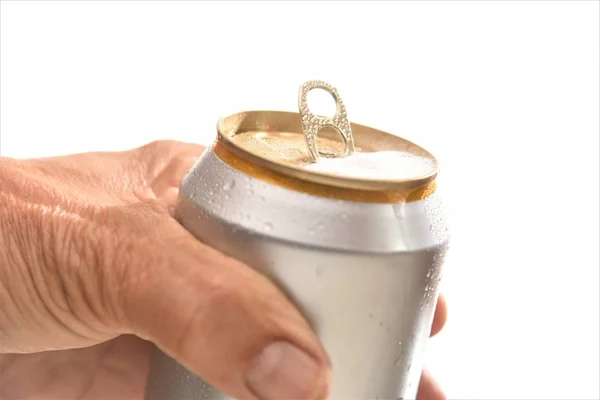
(342, 181)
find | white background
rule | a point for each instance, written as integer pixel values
(506, 94)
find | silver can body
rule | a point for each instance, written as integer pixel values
(365, 275)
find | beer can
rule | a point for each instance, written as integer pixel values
(344, 218)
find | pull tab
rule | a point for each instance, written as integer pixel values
(312, 124)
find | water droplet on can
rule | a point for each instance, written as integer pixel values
(229, 184)
(400, 210)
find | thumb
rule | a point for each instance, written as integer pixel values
(222, 320)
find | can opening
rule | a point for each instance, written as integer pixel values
(275, 140)
(293, 143)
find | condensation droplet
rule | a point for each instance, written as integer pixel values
(268, 227)
(400, 210)
(229, 184)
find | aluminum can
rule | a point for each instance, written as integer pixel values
(361, 256)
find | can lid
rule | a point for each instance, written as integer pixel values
(308, 146)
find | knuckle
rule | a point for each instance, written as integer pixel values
(179, 150)
(158, 146)
(216, 308)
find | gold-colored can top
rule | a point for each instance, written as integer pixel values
(329, 151)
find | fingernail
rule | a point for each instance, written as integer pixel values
(282, 371)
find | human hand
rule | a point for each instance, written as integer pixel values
(93, 267)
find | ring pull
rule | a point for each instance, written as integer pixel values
(312, 124)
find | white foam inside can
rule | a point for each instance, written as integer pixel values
(392, 165)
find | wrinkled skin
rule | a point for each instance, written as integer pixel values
(93, 267)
